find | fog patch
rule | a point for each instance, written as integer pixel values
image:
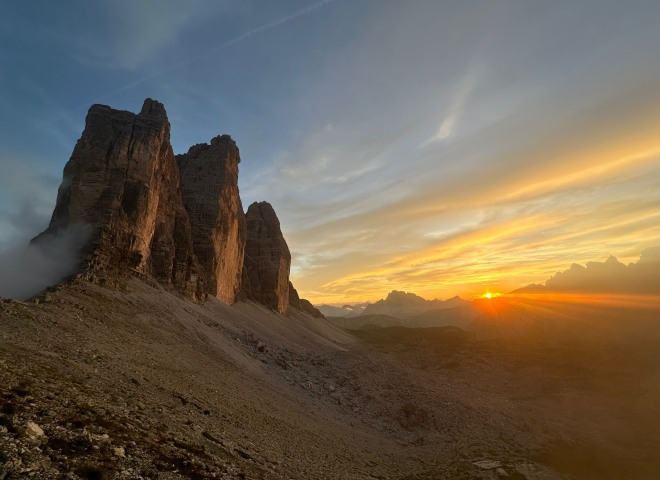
(27, 268)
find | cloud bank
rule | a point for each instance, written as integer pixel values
(27, 202)
(610, 276)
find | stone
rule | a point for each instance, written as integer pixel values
(122, 184)
(209, 189)
(119, 452)
(267, 259)
(487, 464)
(34, 429)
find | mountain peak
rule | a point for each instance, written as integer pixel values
(177, 219)
(153, 108)
(399, 295)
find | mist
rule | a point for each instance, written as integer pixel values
(27, 268)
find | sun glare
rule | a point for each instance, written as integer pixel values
(489, 295)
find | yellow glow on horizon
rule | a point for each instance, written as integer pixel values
(513, 248)
(489, 295)
(600, 299)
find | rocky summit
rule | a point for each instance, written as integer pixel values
(123, 182)
(177, 219)
(267, 258)
(209, 188)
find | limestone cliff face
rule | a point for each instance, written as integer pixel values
(267, 259)
(209, 188)
(123, 183)
(177, 219)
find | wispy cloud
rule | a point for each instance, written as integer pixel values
(514, 243)
(527, 224)
(454, 111)
(134, 33)
(226, 44)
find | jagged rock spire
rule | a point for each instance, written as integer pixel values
(179, 220)
(267, 258)
(123, 183)
(209, 188)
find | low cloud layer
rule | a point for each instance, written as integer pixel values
(28, 268)
(611, 276)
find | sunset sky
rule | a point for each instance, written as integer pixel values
(437, 147)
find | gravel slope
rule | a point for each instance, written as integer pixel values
(137, 382)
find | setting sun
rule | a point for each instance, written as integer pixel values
(489, 295)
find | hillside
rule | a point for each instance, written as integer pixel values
(362, 322)
(137, 381)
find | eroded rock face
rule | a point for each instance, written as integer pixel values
(209, 189)
(123, 183)
(177, 219)
(302, 304)
(267, 259)
(294, 298)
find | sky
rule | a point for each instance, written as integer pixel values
(436, 147)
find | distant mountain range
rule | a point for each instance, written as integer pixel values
(344, 310)
(402, 309)
(410, 310)
(405, 305)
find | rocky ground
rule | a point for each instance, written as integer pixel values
(135, 381)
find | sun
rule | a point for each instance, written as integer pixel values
(489, 295)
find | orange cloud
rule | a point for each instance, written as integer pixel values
(586, 188)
